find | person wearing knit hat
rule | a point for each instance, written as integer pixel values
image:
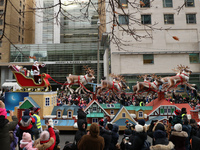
(178, 137)
(101, 122)
(6, 126)
(26, 142)
(177, 118)
(141, 122)
(137, 140)
(47, 139)
(25, 123)
(92, 141)
(161, 141)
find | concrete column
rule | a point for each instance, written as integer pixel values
(106, 63)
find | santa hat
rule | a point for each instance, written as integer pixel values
(3, 110)
(101, 122)
(35, 62)
(178, 127)
(139, 128)
(26, 137)
(44, 136)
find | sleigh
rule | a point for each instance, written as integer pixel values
(29, 85)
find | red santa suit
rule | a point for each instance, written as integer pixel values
(36, 70)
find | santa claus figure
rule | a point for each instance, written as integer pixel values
(36, 71)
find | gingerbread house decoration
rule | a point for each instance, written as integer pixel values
(163, 109)
(121, 117)
(111, 109)
(95, 112)
(26, 104)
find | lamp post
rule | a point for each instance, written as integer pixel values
(98, 23)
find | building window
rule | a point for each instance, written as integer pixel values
(47, 101)
(19, 38)
(169, 111)
(22, 40)
(58, 114)
(194, 58)
(20, 11)
(19, 29)
(123, 115)
(0, 45)
(22, 31)
(162, 111)
(23, 23)
(168, 18)
(123, 19)
(189, 3)
(112, 112)
(20, 3)
(1, 21)
(1, 12)
(69, 114)
(167, 3)
(19, 20)
(94, 120)
(148, 59)
(146, 19)
(23, 7)
(140, 115)
(144, 3)
(123, 3)
(94, 108)
(191, 18)
(165, 111)
(1, 2)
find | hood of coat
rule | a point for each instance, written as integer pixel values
(25, 118)
(142, 135)
(115, 128)
(162, 147)
(180, 134)
(159, 126)
(43, 146)
(3, 121)
(80, 124)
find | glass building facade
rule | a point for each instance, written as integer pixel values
(78, 45)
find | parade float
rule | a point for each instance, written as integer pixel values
(65, 117)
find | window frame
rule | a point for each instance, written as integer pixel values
(140, 114)
(165, 18)
(145, 6)
(59, 114)
(188, 21)
(196, 58)
(120, 4)
(123, 115)
(123, 21)
(143, 18)
(94, 119)
(47, 101)
(187, 3)
(165, 4)
(112, 112)
(1, 2)
(68, 114)
(145, 60)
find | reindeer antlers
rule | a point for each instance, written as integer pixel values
(143, 76)
(86, 68)
(118, 77)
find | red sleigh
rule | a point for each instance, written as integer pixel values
(28, 83)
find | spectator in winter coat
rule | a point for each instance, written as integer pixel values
(195, 140)
(115, 137)
(5, 127)
(26, 142)
(177, 118)
(128, 136)
(178, 137)
(161, 141)
(92, 141)
(81, 130)
(187, 128)
(47, 139)
(25, 125)
(13, 144)
(138, 140)
(106, 134)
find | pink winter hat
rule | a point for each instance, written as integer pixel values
(26, 137)
(3, 110)
(44, 136)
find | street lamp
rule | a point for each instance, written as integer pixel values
(98, 23)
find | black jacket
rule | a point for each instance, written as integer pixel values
(107, 135)
(81, 114)
(80, 131)
(115, 137)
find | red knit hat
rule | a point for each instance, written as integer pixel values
(177, 112)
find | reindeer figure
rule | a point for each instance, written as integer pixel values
(147, 86)
(117, 85)
(79, 79)
(182, 77)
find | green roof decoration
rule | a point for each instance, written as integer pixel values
(95, 115)
(137, 108)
